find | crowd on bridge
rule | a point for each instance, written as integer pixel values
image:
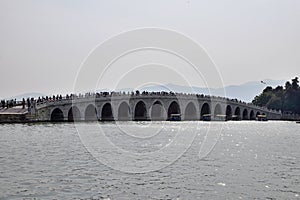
(8, 103)
(5, 104)
(136, 93)
(59, 97)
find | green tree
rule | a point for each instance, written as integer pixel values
(263, 99)
(295, 84)
(284, 99)
(275, 103)
(288, 85)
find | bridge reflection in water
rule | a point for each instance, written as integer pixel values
(147, 106)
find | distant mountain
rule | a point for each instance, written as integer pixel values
(245, 92)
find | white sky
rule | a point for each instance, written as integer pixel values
(43, 42)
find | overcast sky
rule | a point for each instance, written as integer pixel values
(43, 42)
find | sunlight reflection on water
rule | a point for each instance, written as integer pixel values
(250, 160)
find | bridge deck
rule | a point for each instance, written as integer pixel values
(13, 111)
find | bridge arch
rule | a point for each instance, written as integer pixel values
(205, 109)
(190, 112)
(245, 114)
(57, 115)
(174, 108)
(124, 111)
(228, 112)
(140, 111)
(218, 110)
(90, 113)
(157, 111)
(74, 114)
(252, 115)
(237, 112)
(107, 112)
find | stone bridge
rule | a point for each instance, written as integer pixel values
(152, 106)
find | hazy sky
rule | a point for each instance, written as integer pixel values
(43, 42)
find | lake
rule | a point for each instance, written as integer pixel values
(150, 160)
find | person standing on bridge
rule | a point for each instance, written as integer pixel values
(23, 103)
(28, 102)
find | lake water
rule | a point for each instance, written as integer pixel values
(129, 160)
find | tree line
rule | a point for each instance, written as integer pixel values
(286, 99)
